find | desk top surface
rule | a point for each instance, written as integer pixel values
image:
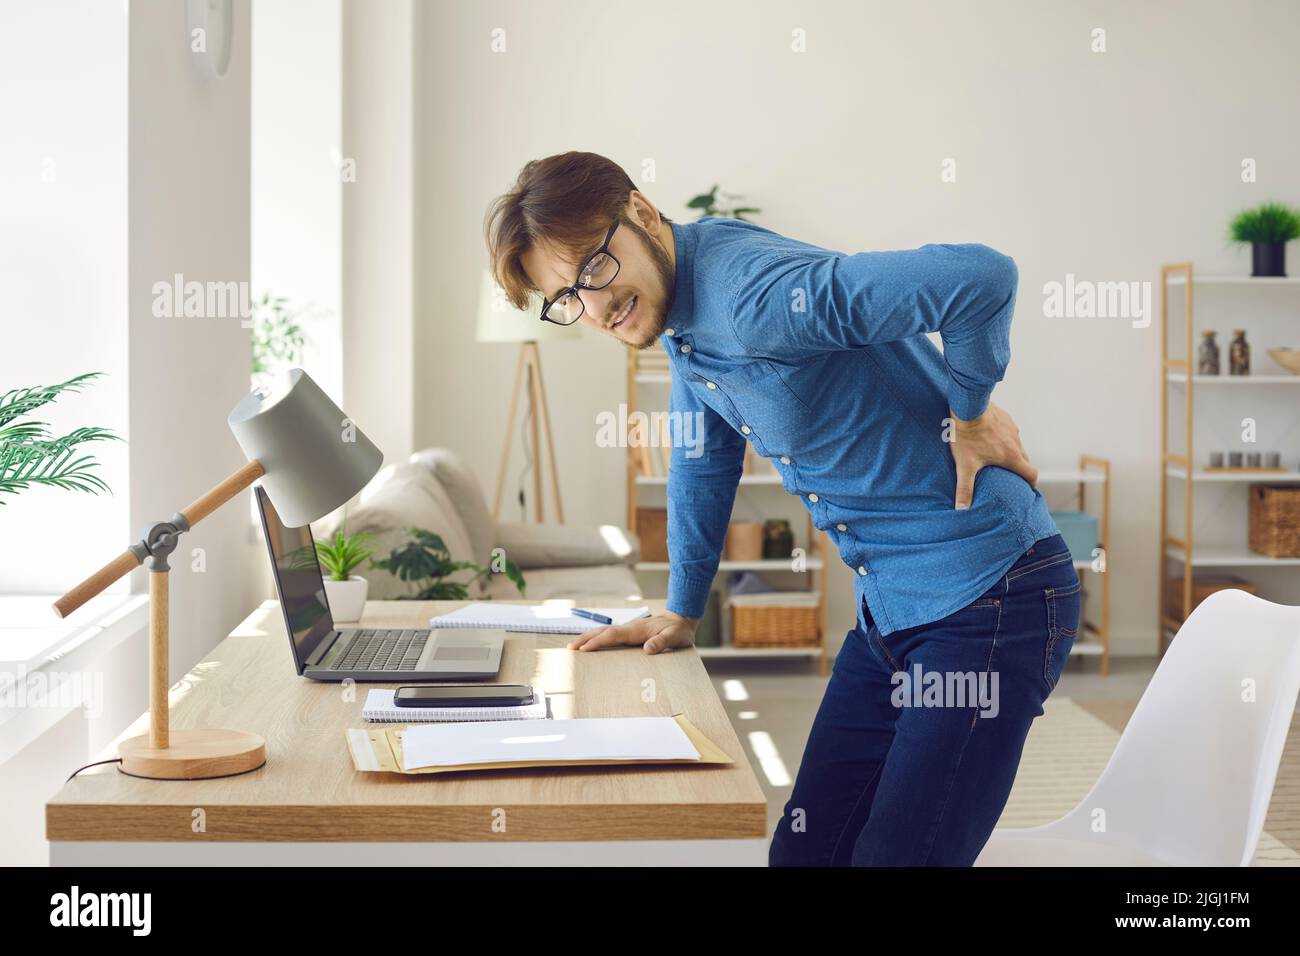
(309, 791)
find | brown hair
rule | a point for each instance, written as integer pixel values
(567, 200)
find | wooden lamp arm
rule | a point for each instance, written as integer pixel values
(128, 560)
(219, 495)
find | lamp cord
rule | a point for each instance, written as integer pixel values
(97, 763)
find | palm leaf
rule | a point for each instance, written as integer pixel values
(23, 401)
(28, 456)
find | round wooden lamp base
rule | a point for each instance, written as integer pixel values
(193, 755)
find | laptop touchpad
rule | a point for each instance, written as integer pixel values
(462, 653)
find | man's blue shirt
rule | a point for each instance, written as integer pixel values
(820, 360)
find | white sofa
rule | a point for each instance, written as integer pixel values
(435, 490)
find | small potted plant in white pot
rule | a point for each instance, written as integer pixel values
(340, 556)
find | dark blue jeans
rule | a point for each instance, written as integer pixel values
(916, 743)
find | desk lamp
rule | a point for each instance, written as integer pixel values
(311, 460)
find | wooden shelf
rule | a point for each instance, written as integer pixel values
(1181, 280)
(1229, 558)
(1180, 378)
(1061, 476)
(1269, 477)
(1179, 467)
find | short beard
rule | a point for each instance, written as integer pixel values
(667, 280)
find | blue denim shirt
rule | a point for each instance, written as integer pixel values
(820, 360)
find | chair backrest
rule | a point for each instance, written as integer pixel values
(1191, 777)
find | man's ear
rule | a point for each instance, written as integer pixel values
(642, 211)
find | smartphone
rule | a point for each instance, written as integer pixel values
(464, 695)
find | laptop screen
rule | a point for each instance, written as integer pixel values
(297, 579)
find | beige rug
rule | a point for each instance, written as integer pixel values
(1065, 752)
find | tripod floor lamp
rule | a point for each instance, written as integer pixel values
(499, 321)
(311, 459)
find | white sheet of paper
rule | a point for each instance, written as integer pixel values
(542, 618)
(584, 738)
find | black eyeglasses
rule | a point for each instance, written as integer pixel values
(596, 273)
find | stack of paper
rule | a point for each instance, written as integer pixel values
(511, 741)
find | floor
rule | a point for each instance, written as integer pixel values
(772, 706)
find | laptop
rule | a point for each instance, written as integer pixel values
(324, 652)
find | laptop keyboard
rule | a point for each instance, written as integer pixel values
(383, 651)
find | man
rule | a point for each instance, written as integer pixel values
(820, 361)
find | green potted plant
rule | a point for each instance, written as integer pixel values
(340, 556)
(31, 455)
(424, 561)
(725, 205)
(1268, 228)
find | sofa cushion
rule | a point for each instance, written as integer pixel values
(400, 497)
(560, 545)
(585, 585)
(466, 496)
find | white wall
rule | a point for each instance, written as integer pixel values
(1103, 165)
(189, 214)
(379, 222)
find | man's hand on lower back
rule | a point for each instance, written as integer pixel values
(655, 634)
(991, 439)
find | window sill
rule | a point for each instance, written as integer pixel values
(31, 636)
(43, 655)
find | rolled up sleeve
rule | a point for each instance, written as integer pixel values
(819, 301)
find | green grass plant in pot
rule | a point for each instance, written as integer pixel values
(1268, 228)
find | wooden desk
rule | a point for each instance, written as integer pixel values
(309, 806)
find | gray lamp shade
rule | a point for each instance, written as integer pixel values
(315, 458)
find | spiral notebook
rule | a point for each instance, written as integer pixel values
(536, 618)
(379, 708)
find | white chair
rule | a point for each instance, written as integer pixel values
(1190, 780)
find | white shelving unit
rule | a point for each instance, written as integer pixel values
(1179, 377)
(816, 543)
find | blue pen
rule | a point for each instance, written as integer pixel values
(592, 616)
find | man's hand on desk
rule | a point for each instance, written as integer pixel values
(991, 439)
(661, 632)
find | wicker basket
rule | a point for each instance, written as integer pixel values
(756, 624)
(1275, 520)
(1202, 587)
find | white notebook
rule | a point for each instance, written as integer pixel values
(379, 707)
(537, 618)
(585, 738)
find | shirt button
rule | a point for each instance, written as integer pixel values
(813, 498)
(841, 527)
(745, 429)
(686, 348)
(861, 570)
(785, 459)
(670, 332)
(711, 384)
